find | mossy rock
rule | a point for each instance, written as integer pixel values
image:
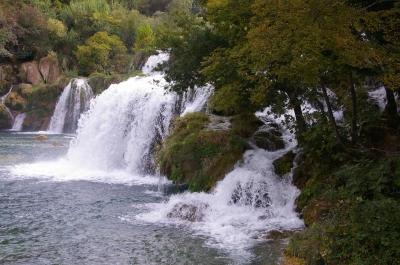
(42, 137)
(191, 154)
(245, 124)
(284, 164)
(269, 140)
(15, 101)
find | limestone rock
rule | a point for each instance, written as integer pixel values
(48, 67)
(29, 73)
(64, 65)
(42, 137)
(35, 123)
(218, 123)
(188, 212)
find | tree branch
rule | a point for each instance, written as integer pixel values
(381, 1)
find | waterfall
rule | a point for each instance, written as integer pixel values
(17, 126)
(74, 100)
(243, 208)
(121, 132)
(3, 100)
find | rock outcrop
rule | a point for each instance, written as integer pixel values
(188, 212)
(48, 67)
(29, 73)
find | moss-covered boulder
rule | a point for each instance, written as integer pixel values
(269, 140)
(40, 103)
(42, 137)
(201, 156)
(284, 164)
(15, 101)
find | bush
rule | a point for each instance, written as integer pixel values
(363, 224)
(103, 53)
(197, 156)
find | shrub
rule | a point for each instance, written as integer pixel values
(103, 53)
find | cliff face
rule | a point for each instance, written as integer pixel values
(36, 87)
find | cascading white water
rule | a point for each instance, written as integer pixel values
(17, 126)
(244, 207)
(74, 100)
(120, 133)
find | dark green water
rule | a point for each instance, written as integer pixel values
(56, 220)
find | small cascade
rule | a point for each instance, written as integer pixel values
(17, 126)
(3, 100)
(74, 100)
(244, 207)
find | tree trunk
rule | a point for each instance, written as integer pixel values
(353, 133)
(391, 109)
(331, 118)
(301, 124)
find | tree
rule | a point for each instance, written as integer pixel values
(23, 31)
(188, 40)
(102, 53)
(144, 40)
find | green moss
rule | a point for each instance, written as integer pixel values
(196, 156)
(100, 82)
(284, 164)
(245, 124)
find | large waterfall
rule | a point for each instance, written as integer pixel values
(115, 144)
(74, 100)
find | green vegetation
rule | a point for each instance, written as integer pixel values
(201, 157)
(256, 54)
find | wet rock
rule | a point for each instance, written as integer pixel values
(218, 123)
(188, 212)
(42, 137)
(284, 164)
(48, 67)
(57, 144)
(29, 73)
(269, 140)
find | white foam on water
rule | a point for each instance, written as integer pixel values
(379, 96)
(64, 170)
(243, 208)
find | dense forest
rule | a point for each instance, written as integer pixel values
(316, 58)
